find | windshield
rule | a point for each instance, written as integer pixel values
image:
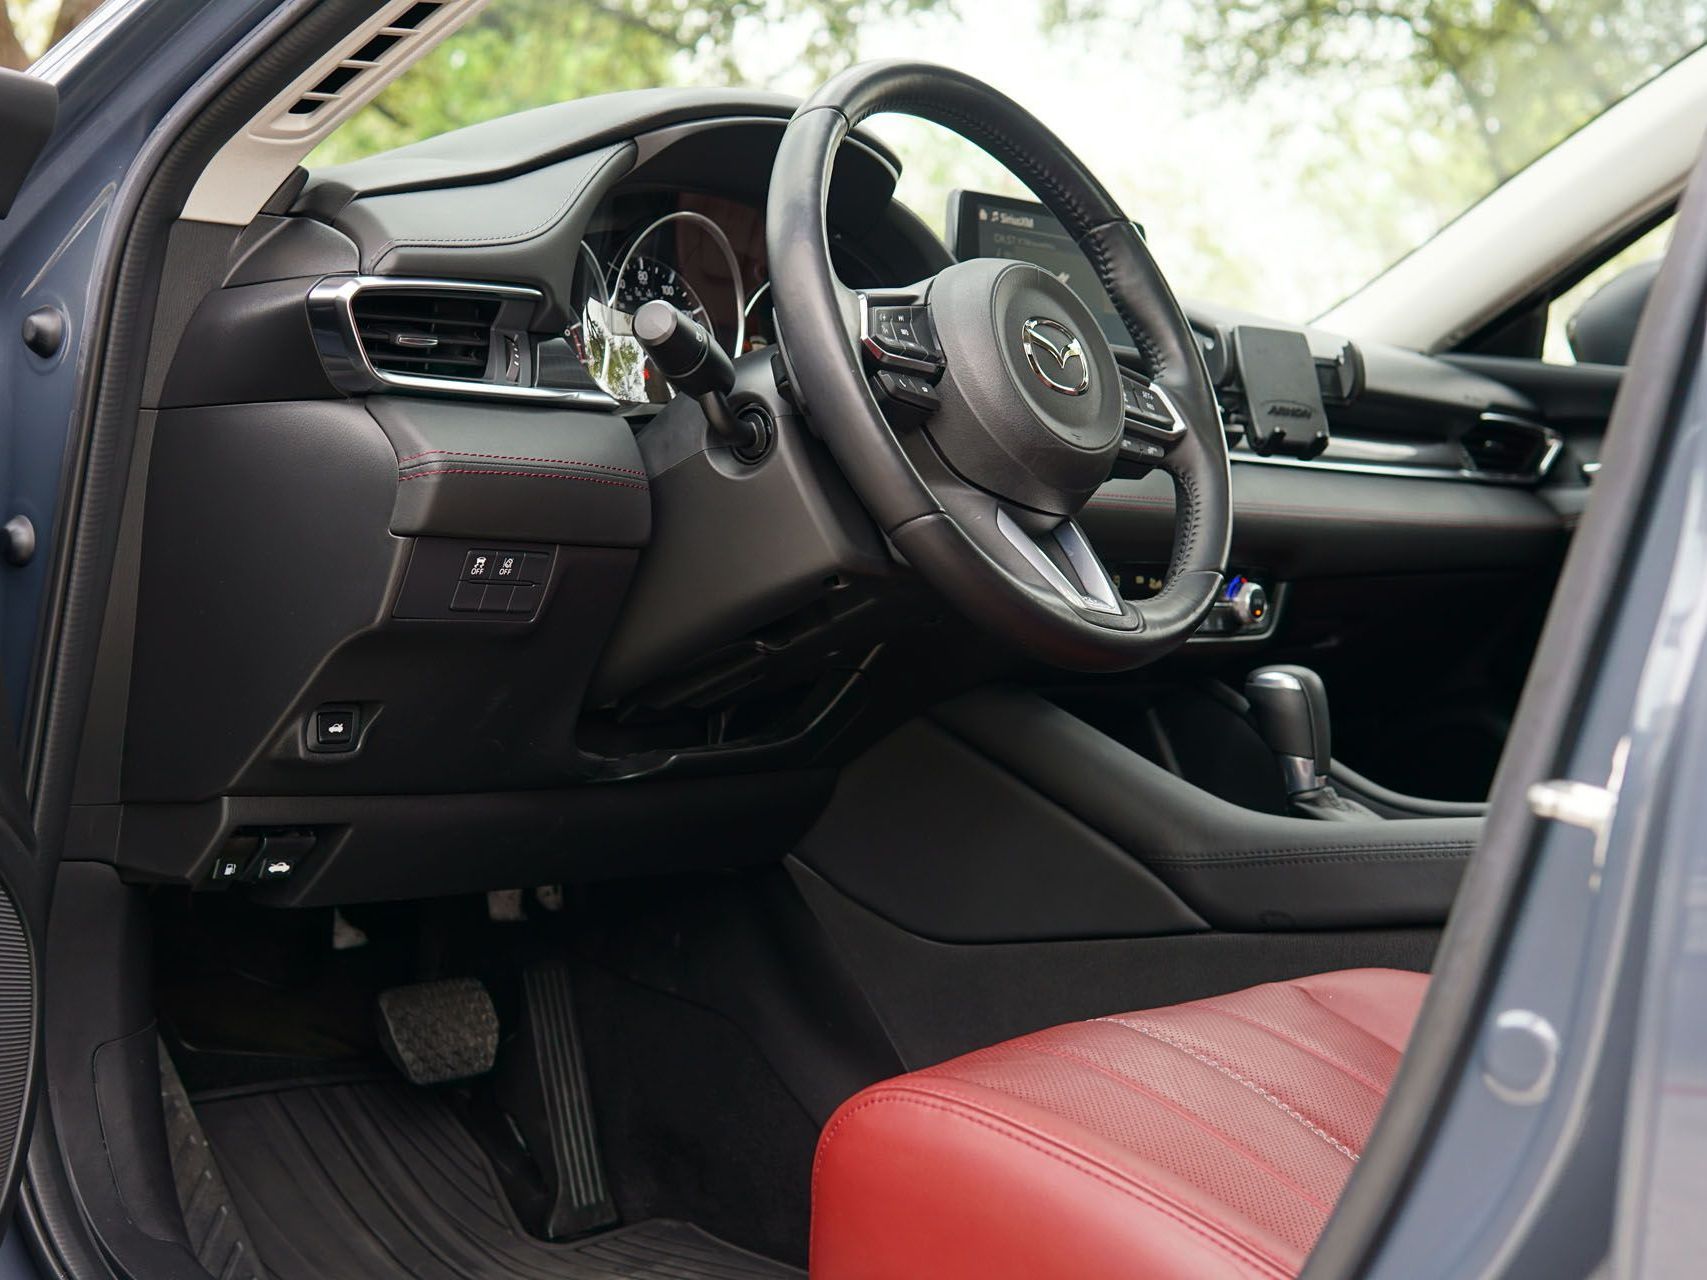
(1279, 153)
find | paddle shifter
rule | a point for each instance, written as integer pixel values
(1291, 707)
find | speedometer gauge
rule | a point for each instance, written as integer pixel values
(645, 279)
(656, 266)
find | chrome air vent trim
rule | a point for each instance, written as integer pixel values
(331, 317)
(1361, 456)
(1547, 443)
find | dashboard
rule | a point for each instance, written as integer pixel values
(434, 496)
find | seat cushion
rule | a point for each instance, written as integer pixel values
(1200, 1140)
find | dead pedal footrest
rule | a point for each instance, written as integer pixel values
(435, 1032)
(542, 1085)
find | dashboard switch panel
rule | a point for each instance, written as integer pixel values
(452, 580)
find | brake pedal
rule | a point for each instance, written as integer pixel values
(435, 1032)
(542, 1084)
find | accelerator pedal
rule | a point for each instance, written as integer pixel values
(542, 1085)
(435, 1032)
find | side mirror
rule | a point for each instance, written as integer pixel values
(1603, 327)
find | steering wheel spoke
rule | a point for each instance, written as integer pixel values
(1152, 424)
(1081, 581)
(901, 352)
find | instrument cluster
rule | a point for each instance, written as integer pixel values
(704, 254)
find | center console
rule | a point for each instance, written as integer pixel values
(1133, 847)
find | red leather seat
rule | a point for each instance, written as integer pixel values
(1203, 1140)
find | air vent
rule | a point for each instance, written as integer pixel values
(1499, 445)
(339, 83)
(426, 335)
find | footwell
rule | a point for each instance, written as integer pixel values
(371, 1181)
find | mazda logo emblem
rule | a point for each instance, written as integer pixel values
(1055, 355)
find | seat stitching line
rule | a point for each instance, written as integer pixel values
(1333, 1012)
(1344, 1068)
(1215, 1234)
(1248, 1083)
(1180, 1109)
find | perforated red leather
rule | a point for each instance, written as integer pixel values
(1202, 1140)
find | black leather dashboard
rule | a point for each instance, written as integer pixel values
(302, 544)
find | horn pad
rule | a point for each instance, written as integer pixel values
(1031, 403)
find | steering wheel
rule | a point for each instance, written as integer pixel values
(1010, 408)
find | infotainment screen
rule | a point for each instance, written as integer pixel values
(986, 226)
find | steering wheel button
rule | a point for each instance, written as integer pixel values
(1145, 405)
(908, 389)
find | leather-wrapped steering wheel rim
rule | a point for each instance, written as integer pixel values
(956, 532)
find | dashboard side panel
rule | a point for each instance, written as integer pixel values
(1296, 522)
(387, 847)
(268, 580)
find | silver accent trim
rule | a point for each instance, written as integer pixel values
(1164, 433)
(345, 359)
(1240, 603)
(1529, 1025)
(880, 353)
(1555, 446)
(720, 238)
(1099, 595)
(1032, 335)
(1299, 774)
(1555, 441)
(1585, 805)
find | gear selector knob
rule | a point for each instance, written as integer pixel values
(1291, 707)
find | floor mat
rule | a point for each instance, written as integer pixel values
(378, 1181)
(216, 1232)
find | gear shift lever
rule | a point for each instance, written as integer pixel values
(1291, 707)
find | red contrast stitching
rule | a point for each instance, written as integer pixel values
(525, 475)
(511, 457)
(1215, 1235)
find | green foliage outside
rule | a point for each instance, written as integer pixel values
(1412, 109)
(527, 53)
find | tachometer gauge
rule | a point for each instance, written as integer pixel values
(652, 267)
